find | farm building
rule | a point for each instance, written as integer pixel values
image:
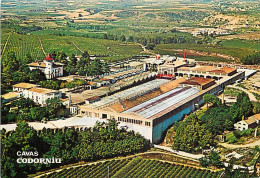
(251, 122)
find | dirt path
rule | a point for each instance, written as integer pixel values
(144, 49)
(251, 96)
(256, 143)
(2, 53)
(41, 45)
(75, 45)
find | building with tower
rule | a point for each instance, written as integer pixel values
(50, 68)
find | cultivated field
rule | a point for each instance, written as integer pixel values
(137, 167)
(23, 45)
(30, 44)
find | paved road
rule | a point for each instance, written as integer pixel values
(256, 143)
(251, 96)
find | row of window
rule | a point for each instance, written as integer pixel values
(130, 120)
(122, 119)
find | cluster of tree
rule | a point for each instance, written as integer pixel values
(213, 159)
(253, 59)
(196, 133)
(26, 109)
(169, 39)
(16, 70)
(192, 135)
(187, 15)
(52, 84)
(256, 108)
(58, 84)
(20, 29)
(85, 66)
(103, 141)
(233, 137)
(75, 83)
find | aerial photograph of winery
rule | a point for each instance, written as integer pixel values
(130, 89)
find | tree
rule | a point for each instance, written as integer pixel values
(204, 162)
(123, 38)
(242, 108)
(62, 58)
(192, 135)
(95, 68)
(214, 159)
(37, 113)
(251, 59)
(36, 76)
(256, 109)
(131, 39)
(10, 63)
(209, 98)
(105, 67)
(53, 106)
(85, 55)
(20, 77)
(218, 119)
(150, 46)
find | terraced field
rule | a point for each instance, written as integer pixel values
(137, 167)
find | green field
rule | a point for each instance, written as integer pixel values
(251, 45)
(29, 44)
(23, 45)
(136, 167)
(232, 51)
(58, 44)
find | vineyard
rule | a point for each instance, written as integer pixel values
(107, 47)
(23, 45)
(136, 167)
(29, 44)
(58, 44)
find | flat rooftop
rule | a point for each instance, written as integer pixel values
(162, 102)
(25, 85)
(211, 69)
(43, 90)
(58, 124)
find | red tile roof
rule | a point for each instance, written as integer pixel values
(48, 58)
(224, 70)
(197, 81)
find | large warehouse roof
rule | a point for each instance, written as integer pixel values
(162, 102)
(132, 92)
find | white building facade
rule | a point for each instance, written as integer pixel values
(41, 95)
(50, 68)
